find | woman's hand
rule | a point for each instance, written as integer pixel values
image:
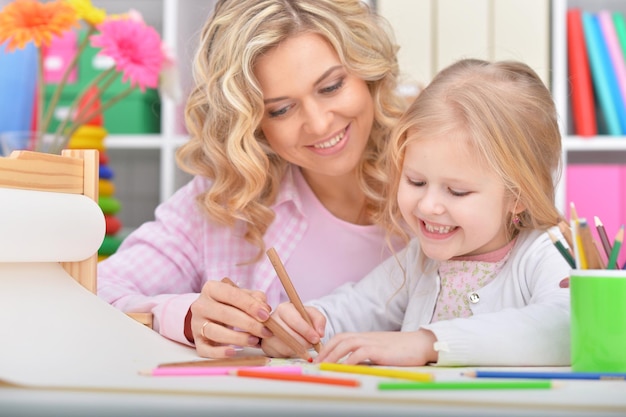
(381, 348)
(287, 316)
(224, 316)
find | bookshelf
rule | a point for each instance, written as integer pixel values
(597, 163)
(533, 31)
(144, 164)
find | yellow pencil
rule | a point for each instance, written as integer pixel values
(371, 370)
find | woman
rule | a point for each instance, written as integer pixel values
(292, 106)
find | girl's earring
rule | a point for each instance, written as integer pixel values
(516, 220)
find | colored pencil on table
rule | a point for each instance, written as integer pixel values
(216, 370)
(617, 245)
(604, 238)
(240, 361)
(464, 385)
(545, 375)
(290, 289)
(563, 250)
(318, 379)
(594, 261)
(280, 332)
(371, 370)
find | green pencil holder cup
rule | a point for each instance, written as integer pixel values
(598, 320)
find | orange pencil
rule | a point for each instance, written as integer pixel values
(319, 379)
(290, 289)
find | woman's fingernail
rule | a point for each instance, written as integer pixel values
(253, 341)
(266, 332)
(263, 315)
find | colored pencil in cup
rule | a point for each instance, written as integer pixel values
(567, 234)
(617, 245)
(562, 249)
(290, 289)
(594, 261)
(604, 238)
(376, 371)
(318, 379)
(280, 332)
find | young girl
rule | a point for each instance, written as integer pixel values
(472, 164)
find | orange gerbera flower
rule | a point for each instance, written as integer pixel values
(24, 21)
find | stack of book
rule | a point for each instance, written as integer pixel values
(596, 46)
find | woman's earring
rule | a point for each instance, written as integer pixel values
(516, 219)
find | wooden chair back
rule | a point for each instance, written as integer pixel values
(75, 171)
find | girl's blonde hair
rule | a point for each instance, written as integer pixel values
(225, 107)
(507, 114)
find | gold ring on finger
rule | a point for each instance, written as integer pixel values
(202, 330)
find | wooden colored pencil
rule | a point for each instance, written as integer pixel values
(318, 379)
(545, 375)
(564, 252)
(287, 338)
(581, 255)
(465, 385)
(241, 361)
(604, 238)
(216, 370)
(290, 289)
(594, 261)
(567, 234)
(617, 245)
(377, 371)
(280, 332)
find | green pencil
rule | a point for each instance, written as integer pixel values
(564, 252)
(617, 245)
(464, 385)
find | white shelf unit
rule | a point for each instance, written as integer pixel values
(144, 165)
(576, 149)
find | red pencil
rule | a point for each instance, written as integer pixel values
(253, 373)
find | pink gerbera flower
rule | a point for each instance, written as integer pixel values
(135, 47)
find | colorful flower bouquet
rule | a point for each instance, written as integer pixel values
(135, 48)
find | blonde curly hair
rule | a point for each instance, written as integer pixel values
(225, 107)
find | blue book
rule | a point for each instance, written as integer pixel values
(18, 76)
(604, 77)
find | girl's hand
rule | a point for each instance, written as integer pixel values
(381, 348)
(224, 316)
(287, 316)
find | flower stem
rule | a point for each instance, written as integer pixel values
(61, 128)
(59, 89)
(105, 106)
(39, 91)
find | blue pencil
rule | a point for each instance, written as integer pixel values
(546, 375)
